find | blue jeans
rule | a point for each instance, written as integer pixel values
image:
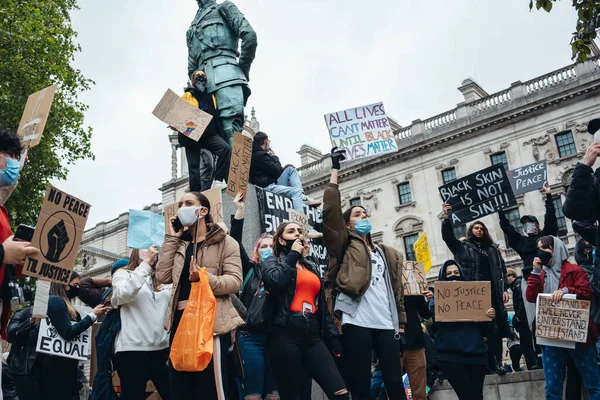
(289, 185)
(555, 362)
(258, 377)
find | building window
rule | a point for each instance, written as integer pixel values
(449, 175)
(566, 144)
(514, 217)
(500, 158)
(460, 231)
(409, 248)
(404, 193)
(560, 217)
(355, 202)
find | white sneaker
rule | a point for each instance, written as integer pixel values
(219, 185)
(310, 201)
(312, 234)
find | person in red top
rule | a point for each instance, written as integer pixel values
(553, 274)
(11, 252)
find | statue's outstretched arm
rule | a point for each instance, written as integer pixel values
(238, 23)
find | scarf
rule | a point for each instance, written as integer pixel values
(561, 253)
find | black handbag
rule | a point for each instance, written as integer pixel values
(259, 319)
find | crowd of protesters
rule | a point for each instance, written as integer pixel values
(278, 325)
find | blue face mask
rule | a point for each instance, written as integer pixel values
(10, 174)
(362, 227)
(265, 253)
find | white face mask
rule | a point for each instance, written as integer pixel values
(597, 137)
(530, 228)
(188, 215)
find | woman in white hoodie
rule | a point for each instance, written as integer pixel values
(142, 345)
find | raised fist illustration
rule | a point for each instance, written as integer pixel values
(57, 241)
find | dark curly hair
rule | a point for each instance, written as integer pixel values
(10, 143)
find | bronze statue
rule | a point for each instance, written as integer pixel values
(212, 41)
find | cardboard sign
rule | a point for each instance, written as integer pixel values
(462, 301)
(275, 209)
(566, 320)
(57, 235)
(422, 252)
(300, 219)
(239, 167)
(169, 211)
(479, 194)
(50, 342)
(362, 131)
(414, 281)
(528, 178)
(181, 115)
(145, 229)
(42, 295)
(35, 116)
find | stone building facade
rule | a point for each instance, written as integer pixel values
(542, 118)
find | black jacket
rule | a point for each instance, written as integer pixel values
(279, 276)
(583, 197)
(518, 305)
(22, 334)
(586, 261)
(252, 282)
(467, 255)
(264, 168)
(205, 103)
(526, 246)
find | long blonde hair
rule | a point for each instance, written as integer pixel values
(134, 262)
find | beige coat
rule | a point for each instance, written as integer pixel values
(220, 254)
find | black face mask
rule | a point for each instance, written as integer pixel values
(476, 239)
(545, 257)
(288, 245)
(453, 278)
(72, 292)
(588, 246)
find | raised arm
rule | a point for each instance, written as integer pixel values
(126, 284)
(582, 199)
(550, 221)
(448, 233)
(514, 237)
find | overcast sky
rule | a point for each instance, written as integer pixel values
(313, 57)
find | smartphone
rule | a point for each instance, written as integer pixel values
(177, 225)
(24, 233)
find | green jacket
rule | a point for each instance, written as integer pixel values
(350, 258)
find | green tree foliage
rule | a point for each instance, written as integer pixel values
(37, 48)
(588, 21)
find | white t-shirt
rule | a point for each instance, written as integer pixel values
(374, 308)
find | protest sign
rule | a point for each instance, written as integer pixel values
(362, 131)
(422, 252)
(50, 342)
(479, 194)
(57, 235)
(42, 295)
(145, 229)
(528, 178)
(181, 115)
(169, 211)
(216, 204)
(239, 167)
(566, 320)
(35, 116)
(462, 301)
(414, 281)
(275, 209)
(300, 219)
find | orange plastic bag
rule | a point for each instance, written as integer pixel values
(192, 347)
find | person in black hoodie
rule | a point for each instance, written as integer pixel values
(301, 321)
(519, 321)
(460, 346)
(482, 261)
(526, 245)
(266, 172)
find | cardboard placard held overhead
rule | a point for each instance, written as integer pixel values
(239, 167)
(528, 178)
(300, 219)
(362, 131)
(57, 235)
(566, 320)
(479, 194)
(422, 252)
(462, 301)
(414, 281)
(181, 115)
(35, 116)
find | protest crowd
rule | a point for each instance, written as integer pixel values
(203, 317)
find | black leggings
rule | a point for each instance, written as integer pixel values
(466, 379)
(299, 346)
(359, 344)
(494, 344)
(135, 368)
